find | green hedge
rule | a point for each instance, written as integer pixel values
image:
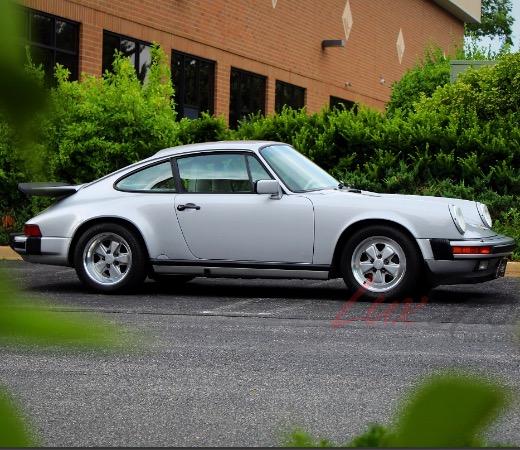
(462, 141)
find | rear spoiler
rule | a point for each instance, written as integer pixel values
(48, 189)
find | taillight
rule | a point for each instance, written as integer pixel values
(471, 250)
(32, 230)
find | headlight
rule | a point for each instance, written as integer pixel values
(484, 214)
(458, 218)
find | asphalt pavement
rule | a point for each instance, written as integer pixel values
(239, 362)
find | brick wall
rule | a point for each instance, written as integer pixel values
(281, 43)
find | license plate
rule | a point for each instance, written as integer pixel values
(501, 268)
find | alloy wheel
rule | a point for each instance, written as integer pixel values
(107, 258)
(378, 264)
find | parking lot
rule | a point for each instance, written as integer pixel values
(239, 362)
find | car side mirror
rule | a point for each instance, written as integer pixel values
(271, 187)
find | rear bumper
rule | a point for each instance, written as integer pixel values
(42, 250)
(446, 268)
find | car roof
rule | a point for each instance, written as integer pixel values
(215, 146)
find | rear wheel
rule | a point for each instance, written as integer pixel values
(383, 261)
(110, 258)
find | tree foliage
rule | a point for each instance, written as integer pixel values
(103, 124)
(456, 140)
(422, 80)
(496, 22)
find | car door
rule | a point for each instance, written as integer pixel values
(221, 217)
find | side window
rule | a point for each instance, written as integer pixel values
(257, 170)
(157, 178)
(215, 173)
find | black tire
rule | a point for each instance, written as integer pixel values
(136, 270)
(407, 284)
(170, 279)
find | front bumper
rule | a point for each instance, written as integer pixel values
(446, 268)
(43, 250)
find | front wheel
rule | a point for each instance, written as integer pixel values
(383, 261)
(110, 258)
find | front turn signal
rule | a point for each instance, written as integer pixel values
(471, 250)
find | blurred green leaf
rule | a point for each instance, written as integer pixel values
(21, 94)
(301, 439)
(13, 431)
(375, 436)
(25, 322)
(448, 411)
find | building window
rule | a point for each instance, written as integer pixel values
(194, 82)
(340, 103)
(138, 51)
(289, 95)
(52, 40)
(247, 95)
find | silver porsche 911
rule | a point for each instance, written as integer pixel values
(256, 209)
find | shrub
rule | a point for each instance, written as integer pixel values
(204, 129)
(461, 141)
(102, 124)
(421, 80)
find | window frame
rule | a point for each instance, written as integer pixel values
(28, 41)
(293, 87)
(243, 72)
(136, 41)
(180, 106)
(147, 166)
(245, 153)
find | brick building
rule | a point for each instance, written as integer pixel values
(232, 57)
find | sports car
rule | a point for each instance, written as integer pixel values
(256, 209)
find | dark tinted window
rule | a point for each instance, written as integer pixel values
(340, 103)
(247, 95)
(52, 40)
(193, 80)
(66, 36)
(156, 178)
(289, 95)
(215, 173)
(138, 52)
(42, 28)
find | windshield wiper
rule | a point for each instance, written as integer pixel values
(342, 186)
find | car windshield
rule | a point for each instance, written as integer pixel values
(297, 172)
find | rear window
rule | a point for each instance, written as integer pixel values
(156, 178)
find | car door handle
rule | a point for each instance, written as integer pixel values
(188, 206)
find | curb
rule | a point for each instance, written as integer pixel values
(513, 269)
(6, 253)
(9, 254)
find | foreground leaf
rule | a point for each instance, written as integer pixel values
(13, 431)
(448, 411)
(25, 322)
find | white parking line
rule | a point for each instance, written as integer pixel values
(234, 313)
